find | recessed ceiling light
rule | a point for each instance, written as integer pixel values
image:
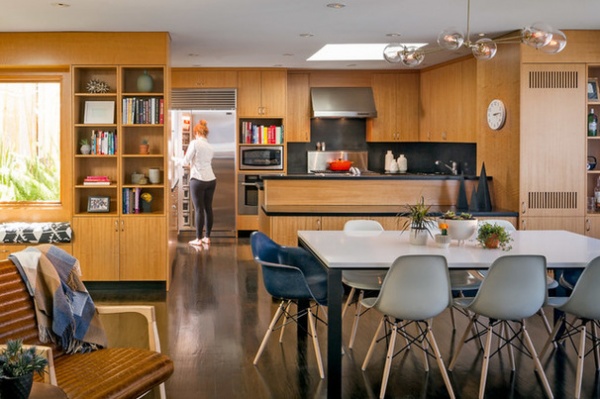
(353, 52)
(336, 5)
(306, 35)
(62, 5)
(193, 55)
(393, 34)
(288, 54)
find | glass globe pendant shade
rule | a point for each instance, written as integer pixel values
(537, 35)
(451, 39)
(556, 44)
(411, 57)
(484, 49)
(391, 52)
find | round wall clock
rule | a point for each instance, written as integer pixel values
(496, 114)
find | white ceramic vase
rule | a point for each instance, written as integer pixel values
(418, 236)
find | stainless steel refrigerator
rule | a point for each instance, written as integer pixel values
(221, 125)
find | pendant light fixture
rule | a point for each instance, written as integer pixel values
(539, 35)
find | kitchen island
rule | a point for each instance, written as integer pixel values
(289, 203)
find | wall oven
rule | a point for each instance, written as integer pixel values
(261, 157)
(248, 193)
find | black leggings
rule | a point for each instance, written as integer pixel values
(202, 197)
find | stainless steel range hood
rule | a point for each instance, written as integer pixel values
(342, 102)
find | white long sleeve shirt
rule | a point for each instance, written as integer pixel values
(199, 157)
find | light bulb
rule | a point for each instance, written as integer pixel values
(451, 39)
(391, 52)
(537, 35)
(411, 57)
(484, 49)
(556, 44)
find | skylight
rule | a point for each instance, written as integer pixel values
(354, 52)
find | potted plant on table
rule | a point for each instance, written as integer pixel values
(17, 365)
(443, 239)
(494, 236)
(419, 221)
(461, 226)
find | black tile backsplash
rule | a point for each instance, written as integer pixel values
(349, 134)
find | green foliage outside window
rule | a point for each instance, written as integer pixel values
(30, 141)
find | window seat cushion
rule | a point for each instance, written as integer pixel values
(35, 233)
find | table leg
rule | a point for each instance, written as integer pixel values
(334, 333)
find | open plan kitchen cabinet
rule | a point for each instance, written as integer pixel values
(127, 239)
(553, 145)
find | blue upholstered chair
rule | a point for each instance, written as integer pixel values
(290, 274)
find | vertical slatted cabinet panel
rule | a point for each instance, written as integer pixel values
(552, 146)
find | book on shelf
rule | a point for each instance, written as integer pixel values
(103, 142)
(131, 201)
(96, 180)
(143, 111)
(261, 134)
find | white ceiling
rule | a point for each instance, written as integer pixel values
(266, 33)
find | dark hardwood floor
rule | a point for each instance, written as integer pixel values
(214, 316)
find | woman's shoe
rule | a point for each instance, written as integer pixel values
(197, 241)
(206, 241)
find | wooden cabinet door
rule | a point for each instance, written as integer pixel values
(297, 121)
(261, 93)
(284, 229)
(552, 140)
(198, 78)
(592, 226)
(448, 106)
(397, 103)
(142, 243)
(249, 94)
(574, 224)
(273, 100)
(383, 128)
(96, 246)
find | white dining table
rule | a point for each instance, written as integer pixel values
(339, 250)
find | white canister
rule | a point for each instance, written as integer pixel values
(393, 167)
(389, 158)
(154, 176)
(402, 164)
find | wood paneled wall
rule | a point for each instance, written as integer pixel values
(50, 55)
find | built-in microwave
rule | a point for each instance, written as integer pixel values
(261, 157)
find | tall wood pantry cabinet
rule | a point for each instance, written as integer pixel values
(552, 171)
(125, 240)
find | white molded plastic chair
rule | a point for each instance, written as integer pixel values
(584, 304)
(550, 282)
(361, 280)
(513, 290)
(416, 289)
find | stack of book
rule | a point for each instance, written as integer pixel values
(96, 181)
(261, 134)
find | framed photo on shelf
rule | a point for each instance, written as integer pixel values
(99, 112)
(98, 204)
(592, 89)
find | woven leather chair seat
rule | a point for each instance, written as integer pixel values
(107, 373)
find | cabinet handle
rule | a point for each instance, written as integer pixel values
(587, 224)
(523, 207)
(116, 226)
(524, 224)
(122, 225)
(318, 224)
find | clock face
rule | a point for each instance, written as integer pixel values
(496, 114)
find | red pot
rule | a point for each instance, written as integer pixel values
(340, 165)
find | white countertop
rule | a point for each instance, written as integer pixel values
(337, 249)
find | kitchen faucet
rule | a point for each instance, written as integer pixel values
(453, 168)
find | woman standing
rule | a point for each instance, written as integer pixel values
(203, 181)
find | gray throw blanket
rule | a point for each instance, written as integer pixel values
(65, 311)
